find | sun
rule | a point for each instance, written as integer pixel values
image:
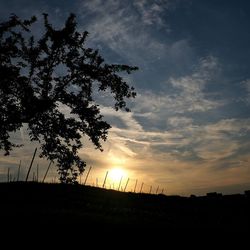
(116, 178)
(116, 174)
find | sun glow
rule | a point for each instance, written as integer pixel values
(116, 178)
(116, 174)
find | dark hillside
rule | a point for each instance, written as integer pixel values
(48, 204)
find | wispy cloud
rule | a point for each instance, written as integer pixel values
(151, 12)
(188, 96)
(180, 121)
(216, 149)
(125, 27)
(210, 144)
(191, 87)
(218, 140)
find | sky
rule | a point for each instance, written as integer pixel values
(189, 126)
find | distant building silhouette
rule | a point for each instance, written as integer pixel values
(214, 194)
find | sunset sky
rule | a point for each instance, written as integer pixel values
(189, 126)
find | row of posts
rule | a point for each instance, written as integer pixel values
(119, 186)
(9, 177)
(85, 181)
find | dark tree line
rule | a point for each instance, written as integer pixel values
(31, 90)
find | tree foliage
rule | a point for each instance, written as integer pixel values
(33, 92)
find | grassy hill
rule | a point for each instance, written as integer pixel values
(55, 204)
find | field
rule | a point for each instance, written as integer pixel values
(56, 204)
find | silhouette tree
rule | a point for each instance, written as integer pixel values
(40, 76)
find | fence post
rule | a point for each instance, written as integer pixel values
(141, 187)
(27, 176)
(18, 172)
(120, 183)
(157, 190)
(46, 172)
(8, 175)
(135, 185)
(126, 185)
(103, 185)
(87, 175)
